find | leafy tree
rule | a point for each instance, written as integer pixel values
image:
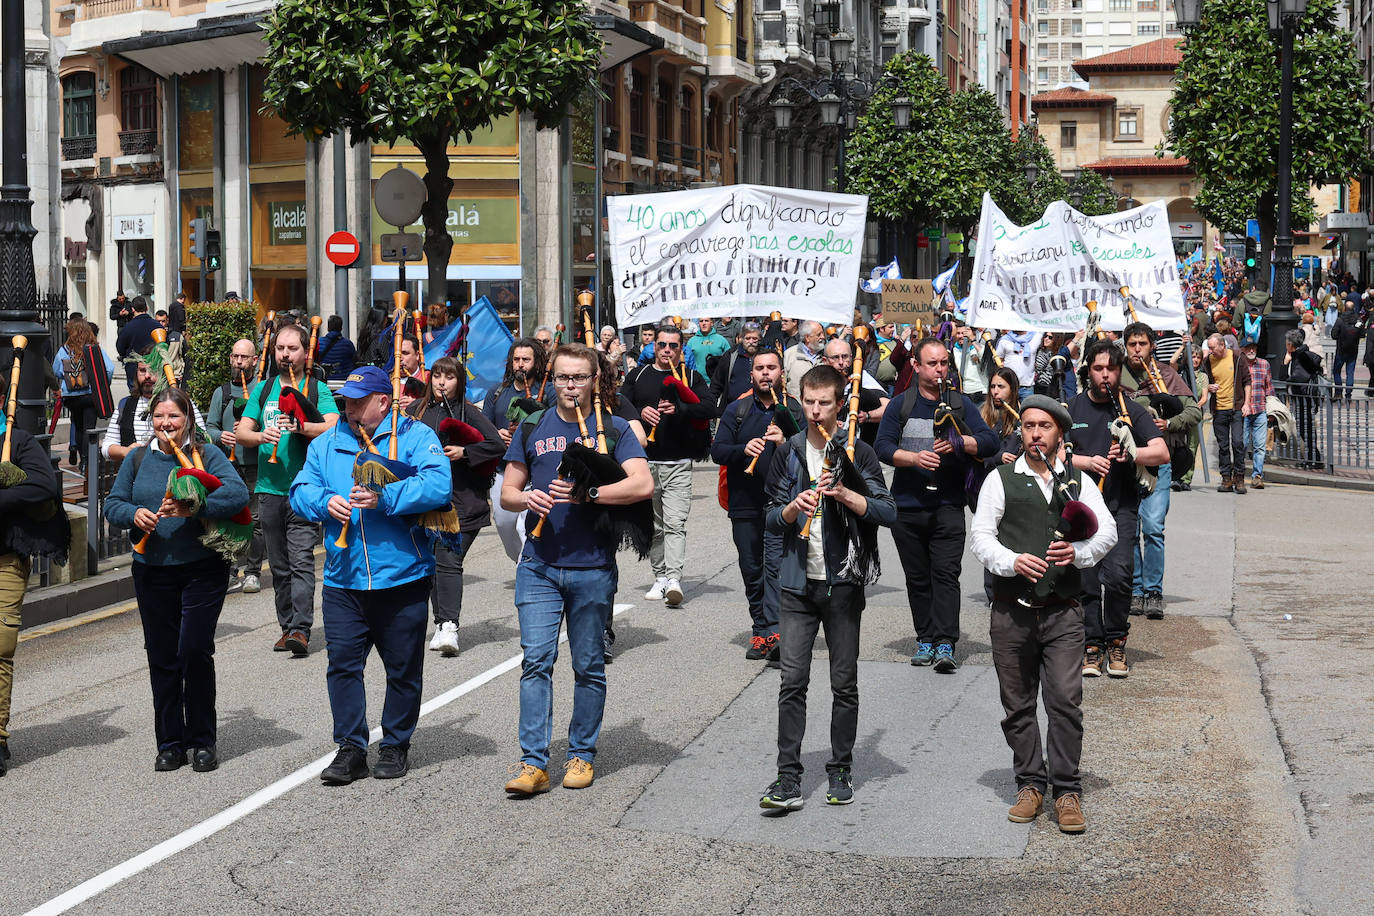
(1097, 198)
(986, 162)
(1025, 204)
(1226, 114)
(425, 72)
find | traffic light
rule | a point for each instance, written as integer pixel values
(212, 249)
(198, 238)
(1251, 253)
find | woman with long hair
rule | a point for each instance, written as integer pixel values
(1001, 412)
(612, 373)
(179, 582)
(473, 447)
(69, 365)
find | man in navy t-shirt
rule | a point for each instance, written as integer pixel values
(566, 569)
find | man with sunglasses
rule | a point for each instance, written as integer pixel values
(674, 403)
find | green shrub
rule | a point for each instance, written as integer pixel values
(211, 329)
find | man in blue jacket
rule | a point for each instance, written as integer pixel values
(929, 488)
(376, 590)
(821, 587)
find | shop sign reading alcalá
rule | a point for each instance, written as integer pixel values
(288, 222)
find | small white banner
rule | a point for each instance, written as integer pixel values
(1041, 277)
(736, 250)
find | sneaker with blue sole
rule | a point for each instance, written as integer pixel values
(945, 662)
(841, 791)
(783, 795)
(925, 654)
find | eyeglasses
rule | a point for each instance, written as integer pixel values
(671, 345)
(563, 381)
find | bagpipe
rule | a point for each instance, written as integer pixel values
(677, 391)
(861, 563)
(1166, 406)
(856, 385)
(783, 419)
(296, 405)
(11, 474)
(456, 431)
(1122, 432)
(189, 484)
(951, 419)
(42, 528)
(1076, 522)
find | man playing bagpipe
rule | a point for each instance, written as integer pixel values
(1038, 524)
(747, 438)
(827, 510)
(378, 564)
(524, 390)
(282, 416)
(582, 503)
(674, 403)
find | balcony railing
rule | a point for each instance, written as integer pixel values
(94, 9)
(639, 146)
(691, 157)
(78, 147)
(667, 151)
(138, 142)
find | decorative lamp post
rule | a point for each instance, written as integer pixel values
(18, 285)
(1283, 18)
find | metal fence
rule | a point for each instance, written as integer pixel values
(102, 541)
(1332, 428)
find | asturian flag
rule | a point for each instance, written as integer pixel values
(874, 283)
(942, 280)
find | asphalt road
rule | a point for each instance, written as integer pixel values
(1229, 774)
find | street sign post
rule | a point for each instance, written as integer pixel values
(400, 196)
(401, 247)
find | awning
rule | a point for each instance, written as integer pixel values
(216, 44)
(623, 40)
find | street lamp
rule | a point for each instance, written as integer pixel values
(1188, 13)
(1283, 18)
(782, 112)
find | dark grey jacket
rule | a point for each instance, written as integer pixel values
(787, 477)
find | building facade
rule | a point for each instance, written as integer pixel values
(1070, 30)
(1004, 54)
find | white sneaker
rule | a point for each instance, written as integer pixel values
(672, 595)
(445, 639)
(252, 585)
(656, 590)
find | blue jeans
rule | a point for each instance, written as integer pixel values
(1254, 436)
(544, 594)
(758, 566)
(1149, 547)
(1347, 363)
(394, 620)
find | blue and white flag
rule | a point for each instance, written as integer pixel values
(942, 280)
(874, 283)
(488, 343)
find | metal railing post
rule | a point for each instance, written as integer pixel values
(1330, 462)
(93, 519)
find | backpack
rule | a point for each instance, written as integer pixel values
(126, 421)
(74, 371)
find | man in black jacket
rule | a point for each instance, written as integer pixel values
(28, 525)
(675, 404)
(1347, 334)
(746, 440)
(733, 370)
(120, 310)
(136, 336)
(820, 586)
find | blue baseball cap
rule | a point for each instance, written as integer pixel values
(365, 380)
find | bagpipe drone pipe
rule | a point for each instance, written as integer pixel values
(629, 526)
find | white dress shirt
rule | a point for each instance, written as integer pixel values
(143, 425)
(992, 502)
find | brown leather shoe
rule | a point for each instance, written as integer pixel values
(1239, 483)
(1070, 813)
(1027, 806)
(1257, 482)
(577, 774)
(298, 643)
(530, 780)
(280, 644)
(1116, 659)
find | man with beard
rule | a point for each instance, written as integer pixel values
(129, 425)
(798, 359)
(1107, 586)
(1147, 592)
(746, 440)
(732, 375)
(873, 397)
(524, 378)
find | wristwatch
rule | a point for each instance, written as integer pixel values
(592, 494)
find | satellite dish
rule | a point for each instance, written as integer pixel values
(400, 196)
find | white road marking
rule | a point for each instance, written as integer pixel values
(209, 827)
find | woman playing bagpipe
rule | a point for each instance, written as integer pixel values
(473, 447)
(567, 568)
(187, 505)
(1001, 412)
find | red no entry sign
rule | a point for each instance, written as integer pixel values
(342, 248)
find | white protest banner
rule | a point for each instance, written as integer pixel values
(736, 250)
(1041, 277)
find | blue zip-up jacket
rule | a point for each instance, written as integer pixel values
(787, 477)
(385, 549)
(175, 540)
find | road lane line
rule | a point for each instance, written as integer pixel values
(209, 827)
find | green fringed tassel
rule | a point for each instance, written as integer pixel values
(186, 490)
(11, 474)
(226, 538)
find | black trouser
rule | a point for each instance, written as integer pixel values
(179, 607)
(1107, 586)
(81, 410)
(447, 597)
(1229, 425)
(1040, 651)
(838, 609)
(290, 542)
(758, 567)
(255, 552)
(1304, 412)
(930, 543)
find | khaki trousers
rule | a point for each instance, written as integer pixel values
(14, 581)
